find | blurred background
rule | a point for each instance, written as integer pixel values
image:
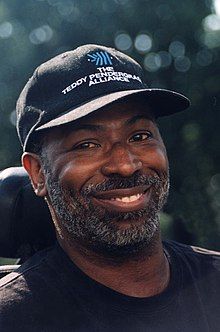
(177, 43)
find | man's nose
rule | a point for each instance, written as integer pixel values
(121, 161)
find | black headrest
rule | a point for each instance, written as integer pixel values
(25, 221)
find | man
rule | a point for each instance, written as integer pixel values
(87, 124)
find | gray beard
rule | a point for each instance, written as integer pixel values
(99, 230)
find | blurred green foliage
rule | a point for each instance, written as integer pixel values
(177, 42)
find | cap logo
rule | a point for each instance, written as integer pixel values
(100, 58)
(104, 73)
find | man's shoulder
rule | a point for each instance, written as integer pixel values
(28, 276)
(191, 249)
(196, 258)
(33, 294)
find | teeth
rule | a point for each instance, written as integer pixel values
(127, 199)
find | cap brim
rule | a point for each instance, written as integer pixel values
(162, 102)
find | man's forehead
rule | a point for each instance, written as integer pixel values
(117, 116)
(127, 113)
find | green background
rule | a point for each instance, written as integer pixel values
(177, 42)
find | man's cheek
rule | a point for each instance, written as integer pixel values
(74, 174)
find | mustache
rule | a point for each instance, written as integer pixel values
(118, 182)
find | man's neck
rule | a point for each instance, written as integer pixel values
(143, 275)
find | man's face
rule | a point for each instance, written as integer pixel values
(107, 179)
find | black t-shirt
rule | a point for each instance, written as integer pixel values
(49, 294)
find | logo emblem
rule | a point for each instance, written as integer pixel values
(100, 58)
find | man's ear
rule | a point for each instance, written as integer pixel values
(31, 162)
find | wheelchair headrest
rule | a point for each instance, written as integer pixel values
(25, 221)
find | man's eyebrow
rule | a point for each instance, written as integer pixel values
(88, 127)
(137, 118)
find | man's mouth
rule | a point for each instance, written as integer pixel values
(124, 200)
(127, 199)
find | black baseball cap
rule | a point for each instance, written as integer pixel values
(76, 83)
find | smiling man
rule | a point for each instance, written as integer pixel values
(92, 148)
(104, 190)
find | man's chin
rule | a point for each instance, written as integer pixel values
(125, 247)
(126, 224)
(120, 237)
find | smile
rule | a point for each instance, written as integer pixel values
(127, 199)
(124, 200)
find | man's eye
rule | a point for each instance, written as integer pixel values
(86, 145)
(141, 137)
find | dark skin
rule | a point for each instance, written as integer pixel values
(120, 140)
